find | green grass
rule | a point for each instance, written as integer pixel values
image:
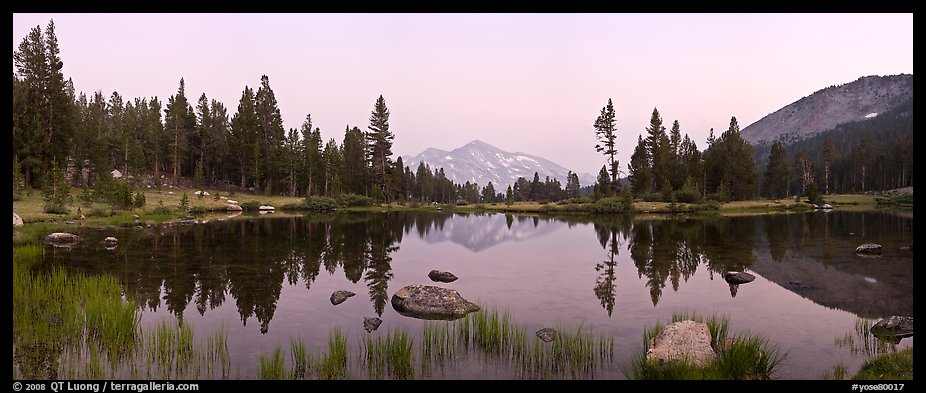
(333, 364)
(839, 373)
(745, 356)
(890, 366)
(390, 355)
(273, 366)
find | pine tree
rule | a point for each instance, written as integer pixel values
(17, 178)
(56, 190)
(270, 130)
(199, 179)
(244, 137)
(509, 196)
(639, 169)
(488, 193)
(379, 143)
(827, 160)
(603, 186)
(777, 173)
(355, 161)
(535, 192)
(180, 120)
(606, 133)
(659, 146)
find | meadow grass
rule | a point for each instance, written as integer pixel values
(889, 366)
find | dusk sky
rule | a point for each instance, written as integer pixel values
(523, 82)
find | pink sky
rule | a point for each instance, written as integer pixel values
(522, 82)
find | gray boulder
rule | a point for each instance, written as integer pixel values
(546, 334)
(683, 340)
(738, 277)
(439, 276)
(371, 324)
(826, 206)
(429, 302)
(869, 248)
(17, 220)
(339, 297)
(233, 208)
(62, 239)
(893, 327)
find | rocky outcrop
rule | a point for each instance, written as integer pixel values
(683, 341)
(546, 334)
(339, 297)
(869, 249)
(62, 239)
(439, 276)
(371, 324)
(429, 302)
(893, 327)
(737, 278)
(17, 221)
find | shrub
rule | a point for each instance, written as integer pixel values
(320, 203)
(185, 202)
(86, 196)
(161, 209)
(462, 203)
(119, 195)
(708, 205)
(55, 209)
(688, 196)
(354, 200)
(546, 208)
(652, 197)
(198, 210)
(98, 212)
(414, 204)
(607, 206)
(250, 206)
(718, 197)
(140, 200)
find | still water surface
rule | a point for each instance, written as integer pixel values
(269, 279)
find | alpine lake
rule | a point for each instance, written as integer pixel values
(250, 297)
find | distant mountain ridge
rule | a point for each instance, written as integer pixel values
(481, 163)
(863, 98)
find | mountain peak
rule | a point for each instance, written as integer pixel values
(480, 162)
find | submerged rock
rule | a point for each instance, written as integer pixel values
(683, 340)
(869, 248)
(893, 327)
(738, 277)
(371, 324)
(439, 276)
(339, 297)
(429, 302)
(62, 239)
(17, 220)
(546, 334)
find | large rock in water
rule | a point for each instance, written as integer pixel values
(429, 302)
(62, 239)
(683, 340)
(110, 243)
(868, 248)
(17, 220)
(893, 327)
(339, 297)
(738, 277)
(436, 275)
(233, 208)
